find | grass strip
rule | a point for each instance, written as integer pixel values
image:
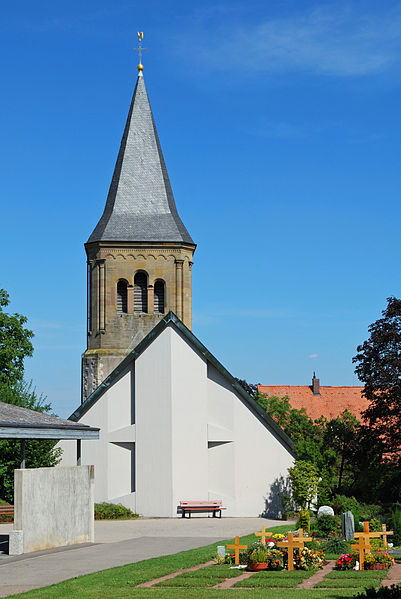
(347, 583)
(273, 579)
(365, 574)
(84, 592)
(205, 577)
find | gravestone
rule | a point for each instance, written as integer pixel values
(347, 526)
(325, 510)
(221, 551)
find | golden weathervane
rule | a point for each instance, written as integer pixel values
(140, 50)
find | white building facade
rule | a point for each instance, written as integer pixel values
(176, 426)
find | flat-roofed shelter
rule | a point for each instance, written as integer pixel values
(22, 423)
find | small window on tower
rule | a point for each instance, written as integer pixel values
(122, 296)
(140, 292)
(159, 297)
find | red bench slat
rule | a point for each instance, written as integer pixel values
(6, 509)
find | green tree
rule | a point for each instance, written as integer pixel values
(332, 446)
(15, 344)
(304, 480)
(341, 437)
(39, 453)
(378, 366)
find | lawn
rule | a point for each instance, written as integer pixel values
(278, 579)
(352, 579)
(121, 582)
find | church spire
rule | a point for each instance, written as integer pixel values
(140, 255)
(140, 205)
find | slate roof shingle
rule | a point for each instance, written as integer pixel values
(140, 205)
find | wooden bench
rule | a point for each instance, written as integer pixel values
(7, 509)
(187, 507)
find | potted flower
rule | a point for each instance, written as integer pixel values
(378, 560)
(257, 556)
(347, 561)
(275, 559)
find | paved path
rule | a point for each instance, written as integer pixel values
(310, 582)
(393, 576)
(151, 583)
(117, 544)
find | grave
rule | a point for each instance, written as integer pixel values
(364, 541)
(294, 543)
(347, 525)
(236, 548)
(263, 534)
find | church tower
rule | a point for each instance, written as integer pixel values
(139, 255)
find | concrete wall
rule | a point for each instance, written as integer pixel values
(52, 507)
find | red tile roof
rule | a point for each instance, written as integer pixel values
(331, 402)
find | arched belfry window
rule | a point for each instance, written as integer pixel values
(122, 296)
(140, 292)
(159, 294)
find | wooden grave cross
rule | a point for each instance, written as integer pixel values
(303, 539)
(363, 546)
(263, 534)
(237, 547)
(384, 534)
(291, 544)
(367, 535)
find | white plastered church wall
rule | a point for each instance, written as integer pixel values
(195, 437)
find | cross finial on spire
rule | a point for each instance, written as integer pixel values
(140, 50)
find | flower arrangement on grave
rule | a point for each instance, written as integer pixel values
(381, 558)
(278, 537)
(347, 561)
(307, 559)
(229, 558)
(261, 554)
(257, 553)
(315, 544)
(275, 560)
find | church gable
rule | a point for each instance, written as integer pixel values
(177, 426)
(216, 373)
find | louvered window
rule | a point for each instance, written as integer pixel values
(140, 292)
(122, 296)
(159, 297)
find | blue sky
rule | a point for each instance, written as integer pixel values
(280, 125)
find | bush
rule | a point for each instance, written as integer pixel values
(393, 592)
(395, 524)
(342, 504)
(112, 511)
(336, 544)
(368, 511)
(375, 525)
(304, 520)
(325, 525)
